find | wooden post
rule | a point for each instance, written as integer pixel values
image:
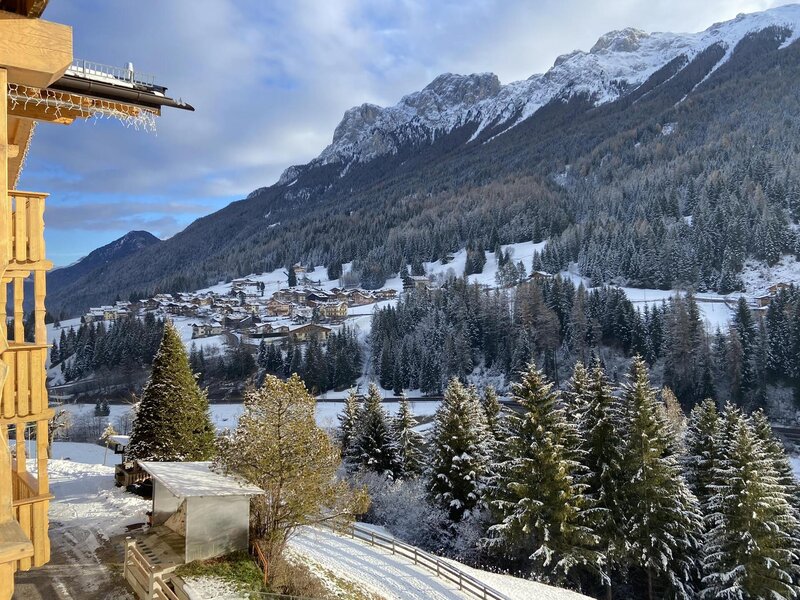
(5, 205)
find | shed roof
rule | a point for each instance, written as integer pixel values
(191, 479)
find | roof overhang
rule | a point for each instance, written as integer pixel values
(25, 8)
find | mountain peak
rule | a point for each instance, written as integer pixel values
(622, 40)
(616, 64)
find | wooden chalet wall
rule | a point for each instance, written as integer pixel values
(32, 53)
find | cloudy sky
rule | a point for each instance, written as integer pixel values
(271, 79)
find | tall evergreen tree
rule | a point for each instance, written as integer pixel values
(602, 458)
(375, 441)
(459, 452)
(751, 548)
(703, 450)
(349, 420)
(492, 411)
(663, 521)
(172, 421)
(534, 491)
(409, 441)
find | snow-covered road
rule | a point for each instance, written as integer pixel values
(387, 575)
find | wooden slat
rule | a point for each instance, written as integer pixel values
(19, 312)
(9, 395)
(41, 457)
(40, 291)
(21, 229)
(22, 384)
(36, 228)
(37, 385)
(24, 518)
(40, 539)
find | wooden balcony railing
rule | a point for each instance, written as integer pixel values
(30, 511)
(24, 393)
(23, 220)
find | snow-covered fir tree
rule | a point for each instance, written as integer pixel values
(776, 451)
(702, 450)
(172, 421)
(459, 452)
(375, 444)
(751, 548)
(409, 441)
(534, 491)
(662, 516)
(578, 395)
(602, 458)
(349, 419)
(492, 410)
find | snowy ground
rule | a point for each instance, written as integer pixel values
(394, 576)
(225, 416)
(88, 517)
(391, 577)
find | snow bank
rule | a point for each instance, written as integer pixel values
(85, 495)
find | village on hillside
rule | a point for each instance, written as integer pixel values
(246, 309)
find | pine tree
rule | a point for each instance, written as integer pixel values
(602, 458)
(578, 395)
(375, 444)
(492, 412)
(263, 354)
(751, 550)
(534, 491)
(662, 518)
(702, 450)
(459, 453)
(409, 441)
(173, 421)
(349, 419)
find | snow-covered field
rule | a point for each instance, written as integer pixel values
(225, 416)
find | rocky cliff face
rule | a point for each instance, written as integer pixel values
(619, 62)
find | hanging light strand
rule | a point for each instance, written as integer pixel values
(58, 103)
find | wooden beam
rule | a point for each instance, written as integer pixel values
(44, 113)
(20, 132)
(34, 52)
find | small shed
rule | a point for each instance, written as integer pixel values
(209, 510)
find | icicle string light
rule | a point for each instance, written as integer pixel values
(25, 154)
(54, 102)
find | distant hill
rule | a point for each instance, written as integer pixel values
(105, 257)
(655, 160)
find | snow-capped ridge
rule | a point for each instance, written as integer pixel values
(617, 63)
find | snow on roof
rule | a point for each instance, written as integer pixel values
(122, 440)
(192, 479)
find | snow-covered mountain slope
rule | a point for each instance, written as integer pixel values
(617, 64)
